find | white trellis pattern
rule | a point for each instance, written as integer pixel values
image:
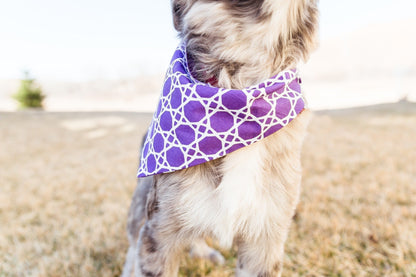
(196, 122)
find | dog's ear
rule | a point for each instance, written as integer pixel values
(178, 7)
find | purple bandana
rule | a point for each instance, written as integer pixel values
(195, 122)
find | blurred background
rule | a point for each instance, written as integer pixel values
(112, 55)
(67, 172)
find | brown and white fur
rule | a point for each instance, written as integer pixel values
(249, 196)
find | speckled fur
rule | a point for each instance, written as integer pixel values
(249, 196)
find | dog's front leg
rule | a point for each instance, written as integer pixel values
(158, 254)
(260, 258)
(157, 246)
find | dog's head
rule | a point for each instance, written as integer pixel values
(241, 42)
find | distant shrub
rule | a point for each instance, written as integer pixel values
(29, 94)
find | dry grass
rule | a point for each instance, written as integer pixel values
(66, 182)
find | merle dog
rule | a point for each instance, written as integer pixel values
(249, 196)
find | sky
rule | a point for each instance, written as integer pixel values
(76, 40)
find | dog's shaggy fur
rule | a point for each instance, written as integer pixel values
(249, 196)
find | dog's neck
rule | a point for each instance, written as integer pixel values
(238, 51)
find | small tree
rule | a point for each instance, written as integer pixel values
(29, 94)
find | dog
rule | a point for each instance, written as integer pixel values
(247, 197)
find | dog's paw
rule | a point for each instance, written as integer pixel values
(216, 257)
(201, 250)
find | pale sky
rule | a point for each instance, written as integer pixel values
(87, 39)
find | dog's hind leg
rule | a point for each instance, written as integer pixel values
(137, 212)
(128, 269)
(135, 221)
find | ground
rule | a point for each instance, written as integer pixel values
(66, 180)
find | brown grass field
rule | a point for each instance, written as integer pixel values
(66, 180)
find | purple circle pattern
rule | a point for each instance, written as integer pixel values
(196, 122)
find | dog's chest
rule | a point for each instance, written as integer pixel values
(244, 200)
(240, 195)
(259, 188)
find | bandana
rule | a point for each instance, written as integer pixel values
(195, 122)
